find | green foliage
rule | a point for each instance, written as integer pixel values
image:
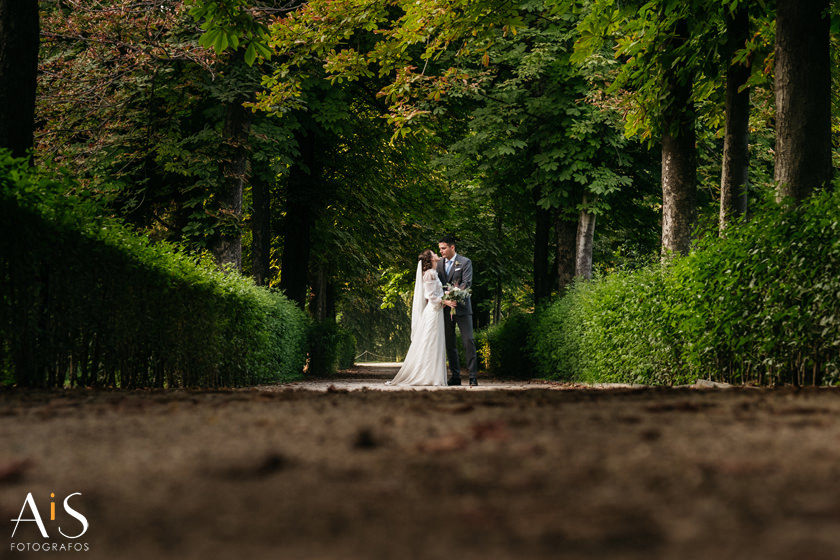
(330, 347)
(644, 35)
(519, 125)
(87, 302)
(531, 123)
(760, 305)
(397, 40)
(377, 313)
(140, 114)
(227, 24)
(611, 330)
(503, 348)
(346, 349)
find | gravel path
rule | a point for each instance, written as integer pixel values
(372, 377)
(344, 468)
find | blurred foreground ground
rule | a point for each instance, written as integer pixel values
(512, 470)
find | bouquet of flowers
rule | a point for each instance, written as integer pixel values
(455, 293)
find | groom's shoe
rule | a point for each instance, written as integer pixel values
(455, 381)
(473, 382)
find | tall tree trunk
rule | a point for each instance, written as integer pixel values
(542, 284)
(260, 230)
(564, 256)
(481, 292)
(497, 288)
(734, 180)
(302, 192)
(227, 244)
(321, 293)
(585, 244)
(19, 43)
(803, 98)
(497, 302)
(679, 156)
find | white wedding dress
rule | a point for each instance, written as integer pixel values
(425, 361)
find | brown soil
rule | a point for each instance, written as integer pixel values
(519, 471)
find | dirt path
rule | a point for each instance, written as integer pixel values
(337, 469)
(372, 376)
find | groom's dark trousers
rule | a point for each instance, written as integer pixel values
(461, 275)
(465, 325)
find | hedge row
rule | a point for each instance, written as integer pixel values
(84, 301)
(761, 305)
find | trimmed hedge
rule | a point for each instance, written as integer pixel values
(761, 305)
(612, 330)
(87, 302)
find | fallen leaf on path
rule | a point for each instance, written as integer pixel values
(443, 444)
(490, 431)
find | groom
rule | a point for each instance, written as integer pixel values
(457, 270)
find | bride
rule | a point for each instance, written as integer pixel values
(425, 362)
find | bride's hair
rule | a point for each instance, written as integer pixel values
(426, 258)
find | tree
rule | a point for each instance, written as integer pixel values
(533, 115)
(19, 44)
(679, 155)
(803, 98)
(234, 168)
(669, 64)
(304, 198)
(532, 134)
(133, 104)
(585, 240)
(736, 153)
(153, 121)
(230, 25)
(260, 225)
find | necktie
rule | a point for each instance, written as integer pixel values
(448, 266)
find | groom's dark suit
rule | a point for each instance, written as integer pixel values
(461, 275)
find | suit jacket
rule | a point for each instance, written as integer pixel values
(461, 275)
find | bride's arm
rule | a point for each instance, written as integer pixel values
(430, 288)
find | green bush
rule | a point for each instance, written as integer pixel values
(504, 350)
(613, 330)
(87, 302)
(763, 304)
(760, 305)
